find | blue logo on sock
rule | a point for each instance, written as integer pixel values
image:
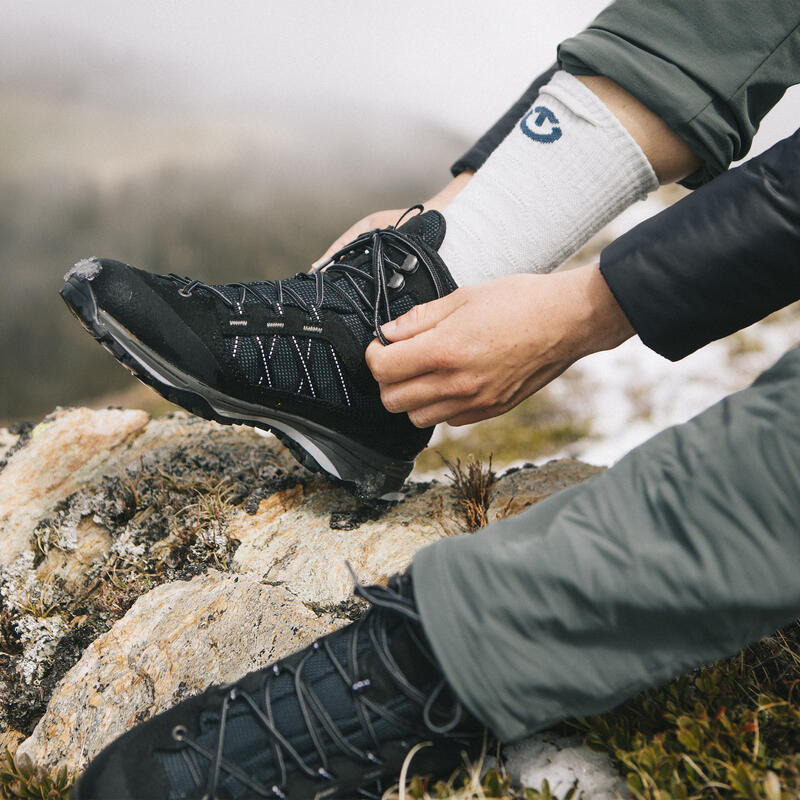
(545, 125)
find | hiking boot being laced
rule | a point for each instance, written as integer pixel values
(285, 356)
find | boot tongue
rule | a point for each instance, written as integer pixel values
(428, 226)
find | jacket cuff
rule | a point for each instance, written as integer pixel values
(716, 261)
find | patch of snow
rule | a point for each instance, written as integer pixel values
(631, 393)
(564, 762)
(88, 268)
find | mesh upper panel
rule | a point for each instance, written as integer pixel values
(314, 367)
(296, 364)
(247, 742)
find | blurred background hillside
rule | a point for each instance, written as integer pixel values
(233, 141)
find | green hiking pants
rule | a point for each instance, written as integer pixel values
(711, 69)
(681, 553)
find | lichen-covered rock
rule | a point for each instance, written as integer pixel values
(65, 450)
(302, 538)
(174, 642)
(8, 439)
(142, 560)
(98, 507)
(520, 488)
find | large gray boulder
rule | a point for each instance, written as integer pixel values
(143, 560)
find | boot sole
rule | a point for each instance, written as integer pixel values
(369, 474)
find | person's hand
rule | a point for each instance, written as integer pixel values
(382, 219)
(483, 349)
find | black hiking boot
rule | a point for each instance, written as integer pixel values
(286, 356)
(336, 720)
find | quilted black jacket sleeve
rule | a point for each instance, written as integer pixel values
(716, 261)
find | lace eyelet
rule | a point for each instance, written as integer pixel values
(182, 293)
(179, 733)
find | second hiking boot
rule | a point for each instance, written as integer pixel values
(285, 355)
(335, 720)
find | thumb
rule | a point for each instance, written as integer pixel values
(421, 318)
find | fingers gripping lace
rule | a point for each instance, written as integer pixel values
(374, 310)
(315, 716)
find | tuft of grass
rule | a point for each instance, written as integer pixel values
(473, 483)
(473, 781)
(201, 525)
(23, 783)
(730, 730)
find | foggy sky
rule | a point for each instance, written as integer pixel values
(459, 64)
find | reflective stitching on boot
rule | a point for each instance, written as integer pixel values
(341, 377)
(305, 367)
(264, 359)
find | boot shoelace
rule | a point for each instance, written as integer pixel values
(316, 717)
(327, 277)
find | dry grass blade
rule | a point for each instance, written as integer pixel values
(473, 483)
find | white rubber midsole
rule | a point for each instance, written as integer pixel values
(298, 437)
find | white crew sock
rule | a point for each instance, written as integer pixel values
(566, 169)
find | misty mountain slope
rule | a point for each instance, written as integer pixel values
(174, 191)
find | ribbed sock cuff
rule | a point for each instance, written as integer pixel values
(566, 169)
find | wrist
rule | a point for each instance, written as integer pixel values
(447, 194)
(602, 322)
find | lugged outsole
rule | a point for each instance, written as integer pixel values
(369, 475)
